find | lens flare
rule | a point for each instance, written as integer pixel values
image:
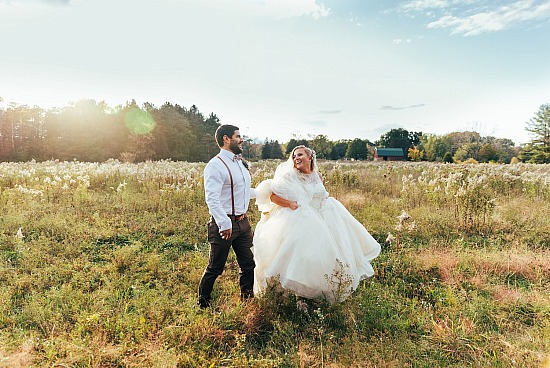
(139, 121)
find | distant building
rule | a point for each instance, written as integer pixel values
(388, 154)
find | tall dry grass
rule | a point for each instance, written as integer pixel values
(99, 265)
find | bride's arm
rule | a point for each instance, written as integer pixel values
(283, 202)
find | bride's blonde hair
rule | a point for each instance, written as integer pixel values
(310, 153)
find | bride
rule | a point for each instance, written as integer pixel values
(307, 241)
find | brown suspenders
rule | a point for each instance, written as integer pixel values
(230, 178)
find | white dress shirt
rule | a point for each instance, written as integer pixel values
(217, 187)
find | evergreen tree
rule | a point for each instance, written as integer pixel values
(276, 151)
(271, 150)
(538, 150)
(294, 143)
(266, 150)
(173, 135)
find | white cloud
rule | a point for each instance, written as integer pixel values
(433, 5)
(399, 41)
(13, 11)
(504, 17)
(419, 5)
(331, 112)
(283, 8)
(389, 107)
(54, 2)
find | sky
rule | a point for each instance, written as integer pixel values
(283, 69)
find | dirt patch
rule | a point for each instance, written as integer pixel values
(443, 260)
(20, 358)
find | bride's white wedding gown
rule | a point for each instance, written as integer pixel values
(318, 250)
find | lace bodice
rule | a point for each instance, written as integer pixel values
(311, 178)
(315, 188)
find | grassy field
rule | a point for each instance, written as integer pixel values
(99, 266)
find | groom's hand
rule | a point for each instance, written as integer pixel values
(226, 234)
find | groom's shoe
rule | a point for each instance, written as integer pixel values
(203, 302)
(247, 295)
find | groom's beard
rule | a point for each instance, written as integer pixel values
(234, 147)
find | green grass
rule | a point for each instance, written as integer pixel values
(107, 278)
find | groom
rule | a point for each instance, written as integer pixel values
(228, 193)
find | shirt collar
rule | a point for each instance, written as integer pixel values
(227, 154)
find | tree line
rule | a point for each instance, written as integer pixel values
(92, 131)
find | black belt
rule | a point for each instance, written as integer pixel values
(237, 217)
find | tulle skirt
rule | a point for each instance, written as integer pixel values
(314, 252)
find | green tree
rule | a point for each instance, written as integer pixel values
(400, 138)
(201, 143)
(505, 148)
(276, 151)
(538, 149)
(21, 133)
(357, 149)
(321, 145)
(107, 132)
(459, 139)
(339, 150)
(466, 151)
(487, 153)
(140, 125)
(436, 146)
(173, 135)
(294, 143)
(271, 150)
(266, 150)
